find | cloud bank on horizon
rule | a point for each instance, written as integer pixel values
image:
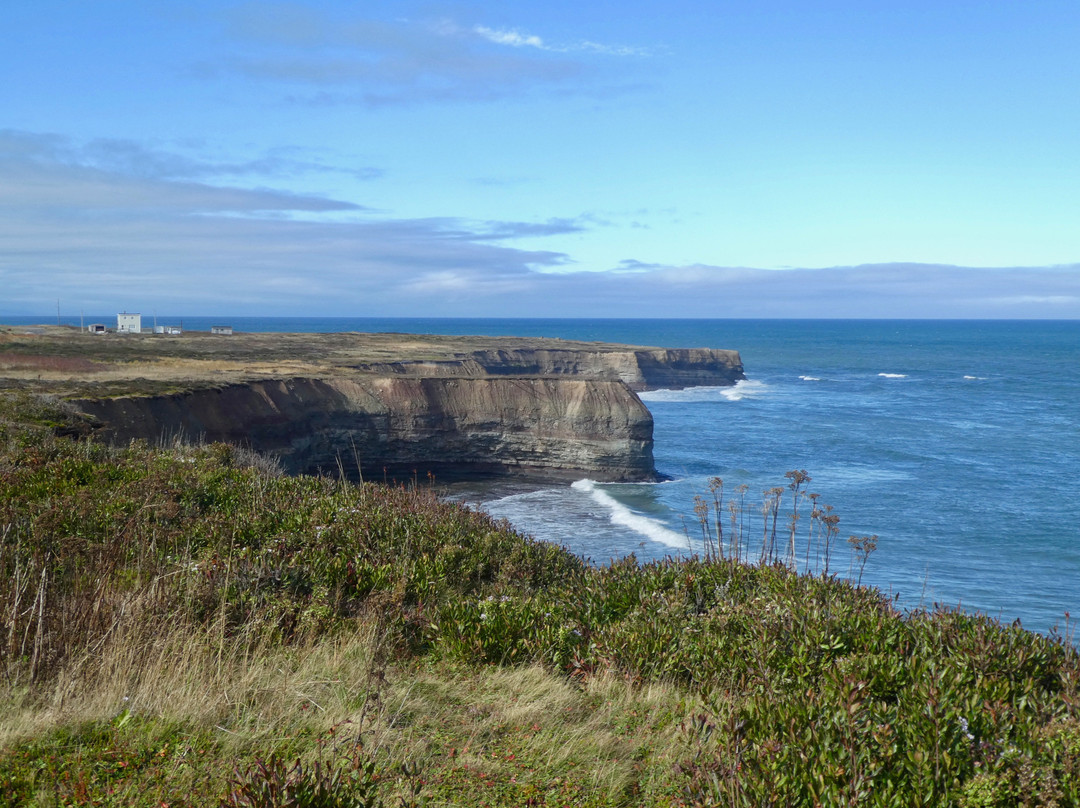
(743, 160)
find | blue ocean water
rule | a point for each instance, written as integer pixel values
(954, 442)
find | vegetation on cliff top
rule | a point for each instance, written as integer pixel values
(67, 362)
(186, 626)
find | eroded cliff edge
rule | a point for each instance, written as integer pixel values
(640, 368)
(397, 426)
(556, 410)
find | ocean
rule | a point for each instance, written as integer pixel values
(951, 441)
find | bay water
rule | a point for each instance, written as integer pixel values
(954, 442)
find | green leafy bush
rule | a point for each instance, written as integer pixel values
(273, 783)
(808, 689)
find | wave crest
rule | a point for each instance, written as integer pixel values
(746, 388)
(621, 515)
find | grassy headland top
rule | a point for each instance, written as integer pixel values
(66, 361)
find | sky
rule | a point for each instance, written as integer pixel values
(698, 158)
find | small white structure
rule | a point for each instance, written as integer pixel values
(168, 329)
(128, 323)
(221, 329)
(96, 328)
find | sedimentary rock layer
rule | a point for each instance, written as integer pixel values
(452, 409)
(640, 368)
(398, 426)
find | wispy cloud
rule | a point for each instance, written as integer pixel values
(516, 39)
(1037, 300)
(872, 290)
(109, 231)
(510, 37)
(130, 158)
(320, 60)
(612, 50)
(107, 236)
(502, 231)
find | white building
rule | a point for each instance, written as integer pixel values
(128, 323)
(221, 329)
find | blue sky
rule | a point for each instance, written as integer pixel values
(758, 158)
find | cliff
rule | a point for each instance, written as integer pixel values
(396, 426)
(452, 406)
(641, 369)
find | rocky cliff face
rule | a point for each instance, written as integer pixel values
(640, 369)
(450, 427)
(536, 413)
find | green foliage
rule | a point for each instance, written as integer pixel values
(272, 783)
(126, 761)
(812, 690)
(85, 531)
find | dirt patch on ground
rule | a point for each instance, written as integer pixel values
(29, 363)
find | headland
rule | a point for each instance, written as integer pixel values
(371, 405)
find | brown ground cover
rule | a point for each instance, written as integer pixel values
(58, 359)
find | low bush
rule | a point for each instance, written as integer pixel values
(163, 575)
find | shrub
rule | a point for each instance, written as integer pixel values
(272, 783)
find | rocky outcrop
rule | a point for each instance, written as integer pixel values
(640, 368)
(398, 427)
(544, 413)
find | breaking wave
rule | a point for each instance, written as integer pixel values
(747, 388)
(621, 515)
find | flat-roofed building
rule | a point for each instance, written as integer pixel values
(128, 323)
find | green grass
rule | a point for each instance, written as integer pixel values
(186, 626)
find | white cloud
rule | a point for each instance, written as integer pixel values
(516, 39)
(93, 234)
(510, 37)
(128, 235)
(611, 50)
(320, 60)
(1039, 300)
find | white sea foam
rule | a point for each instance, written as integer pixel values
(621, 515)
(975, 378)
(746, 388)
(893, 375)
(810, 378)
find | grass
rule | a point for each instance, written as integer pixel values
(186, 626)
(57, 359)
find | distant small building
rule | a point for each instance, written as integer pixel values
(97, 328)
(128, 323)
(168, 329)
(221, 329)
